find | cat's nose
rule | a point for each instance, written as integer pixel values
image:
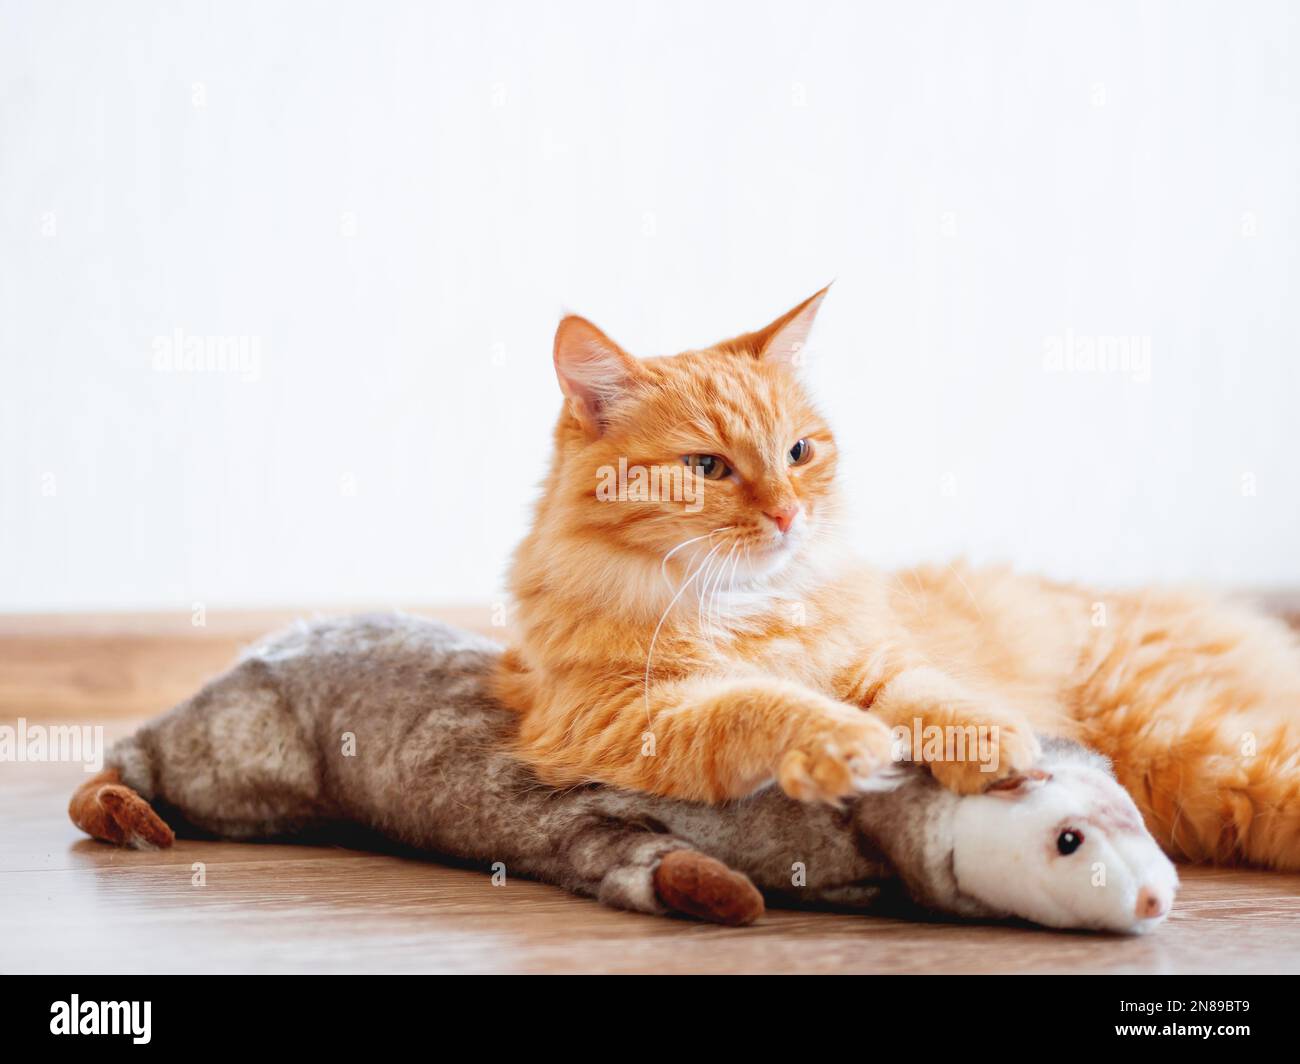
(784, 516)
(1151, 903)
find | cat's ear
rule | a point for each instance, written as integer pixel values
(786, 339)
(593, 371)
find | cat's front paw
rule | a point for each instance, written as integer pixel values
(837, 761)
(1011, 750)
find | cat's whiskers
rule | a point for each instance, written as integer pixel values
(649, 659)
(702, 595)
(711, 615)
(699, 595)
(663, 565)
(731, 576)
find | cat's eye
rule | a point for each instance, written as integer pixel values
(709, 466)
(1068, 841)
(800, 452)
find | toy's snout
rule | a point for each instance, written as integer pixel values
(1153, 902)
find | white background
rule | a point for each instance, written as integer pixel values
(398, 200)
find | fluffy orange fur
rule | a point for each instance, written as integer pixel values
(702, 645)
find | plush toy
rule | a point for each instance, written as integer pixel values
(384, 722)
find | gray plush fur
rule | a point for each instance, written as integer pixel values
(263, 751)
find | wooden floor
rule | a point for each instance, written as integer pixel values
(73, 905)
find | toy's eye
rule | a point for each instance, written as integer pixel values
(1068, 841)
(801, 452)
(709, 466)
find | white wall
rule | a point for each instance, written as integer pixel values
(397, 200)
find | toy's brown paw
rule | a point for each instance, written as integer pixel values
(837, 762)
(107, 809)
(699, 886)
(1013, 753)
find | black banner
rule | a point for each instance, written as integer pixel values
(336, 1013)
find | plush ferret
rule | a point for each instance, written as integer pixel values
(384, 722)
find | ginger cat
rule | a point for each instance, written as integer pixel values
(690, 623)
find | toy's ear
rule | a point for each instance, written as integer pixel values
(1018, 786)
